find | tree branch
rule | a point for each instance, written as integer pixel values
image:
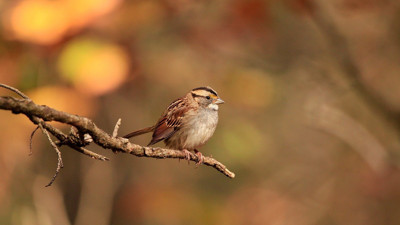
(85, 126)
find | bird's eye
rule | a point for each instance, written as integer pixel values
(208, 97)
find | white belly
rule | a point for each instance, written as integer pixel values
(196, 131)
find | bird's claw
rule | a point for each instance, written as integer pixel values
(200, 157)
(187, 155)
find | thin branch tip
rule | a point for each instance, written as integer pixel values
(60, 163)
(18, 92)
(31, 140)
(116, 128)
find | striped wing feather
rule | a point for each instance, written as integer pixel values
(170, 121)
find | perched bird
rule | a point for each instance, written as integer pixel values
(187, 123)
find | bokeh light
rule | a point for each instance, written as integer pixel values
(39, 21)
(94, 67)
(47, 22)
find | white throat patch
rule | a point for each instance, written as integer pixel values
(213, 107)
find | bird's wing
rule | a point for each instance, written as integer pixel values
(170, 121)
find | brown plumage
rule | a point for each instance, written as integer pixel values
(187, 123)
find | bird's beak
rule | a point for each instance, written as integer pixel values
(219, 101)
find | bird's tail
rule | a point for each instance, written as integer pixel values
(139, 132)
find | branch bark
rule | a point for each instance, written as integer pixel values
(36, 113)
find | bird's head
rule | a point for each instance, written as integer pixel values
(206, 97)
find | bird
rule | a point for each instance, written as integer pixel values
(187, 123)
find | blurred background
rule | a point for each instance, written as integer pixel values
(311, 124)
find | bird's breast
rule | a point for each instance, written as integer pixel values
(197, 129)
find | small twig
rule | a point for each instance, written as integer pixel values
(116, 128)
(14, 90)
(89, 153)
(64, 140)
(31, 140)
(59, 158)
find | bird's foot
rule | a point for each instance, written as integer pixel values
(200, 157)
(187, 155)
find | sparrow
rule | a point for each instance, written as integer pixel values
(187, 123)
